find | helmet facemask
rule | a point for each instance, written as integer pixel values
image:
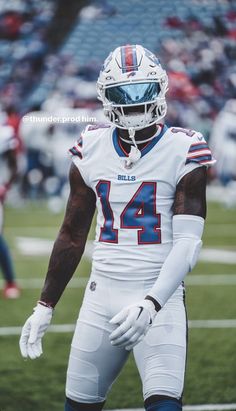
(125, 110)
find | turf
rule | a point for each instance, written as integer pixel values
(39, 385)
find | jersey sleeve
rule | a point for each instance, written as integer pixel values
(77, 154)
(76, 150)
(200, 153)
(85, 151)
(196, 154)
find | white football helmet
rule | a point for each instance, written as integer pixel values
(132, 86)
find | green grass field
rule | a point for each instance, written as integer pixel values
(39, 385)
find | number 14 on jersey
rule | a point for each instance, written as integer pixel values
(139, 214)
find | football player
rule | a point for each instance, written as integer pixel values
(223, 143)
(8, 173)
(148, 183)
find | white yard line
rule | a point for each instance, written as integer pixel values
(212, 323)
(37, 283)
(216, 255)
(191, 280)
(45, 228)
(210, 279)
(57, 328)
(67, 328)
(32, 246)
(202, 407)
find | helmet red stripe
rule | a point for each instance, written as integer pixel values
(129, 61)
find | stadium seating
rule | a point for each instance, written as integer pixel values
(103, 25)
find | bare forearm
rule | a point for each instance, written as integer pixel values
(64, 260)
(69, 246)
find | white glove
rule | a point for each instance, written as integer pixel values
(33, 331)
(133, 322)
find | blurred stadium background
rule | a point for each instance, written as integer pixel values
(50, 56)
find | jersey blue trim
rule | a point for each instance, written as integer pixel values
(199, 159)
(117, 147)
(145, 150)
(196, 147)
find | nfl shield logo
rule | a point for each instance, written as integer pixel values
(93, 286)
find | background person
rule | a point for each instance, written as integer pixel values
(8, 173)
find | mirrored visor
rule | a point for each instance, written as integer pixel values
(133, 93)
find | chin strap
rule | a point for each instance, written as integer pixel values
(132, 130)
(135, 153)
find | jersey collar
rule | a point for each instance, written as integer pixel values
(122, 153)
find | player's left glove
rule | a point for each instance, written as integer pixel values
(133, 323)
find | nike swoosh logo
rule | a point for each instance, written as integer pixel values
(141, 310)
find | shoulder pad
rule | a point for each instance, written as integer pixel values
(186, 131)
(97, 126)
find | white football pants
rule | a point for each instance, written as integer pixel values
(94, 363)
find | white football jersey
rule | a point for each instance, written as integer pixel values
(134, 219)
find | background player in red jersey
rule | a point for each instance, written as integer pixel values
(8, 169)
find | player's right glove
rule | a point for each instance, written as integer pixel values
(33, 331)
(132, 324)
